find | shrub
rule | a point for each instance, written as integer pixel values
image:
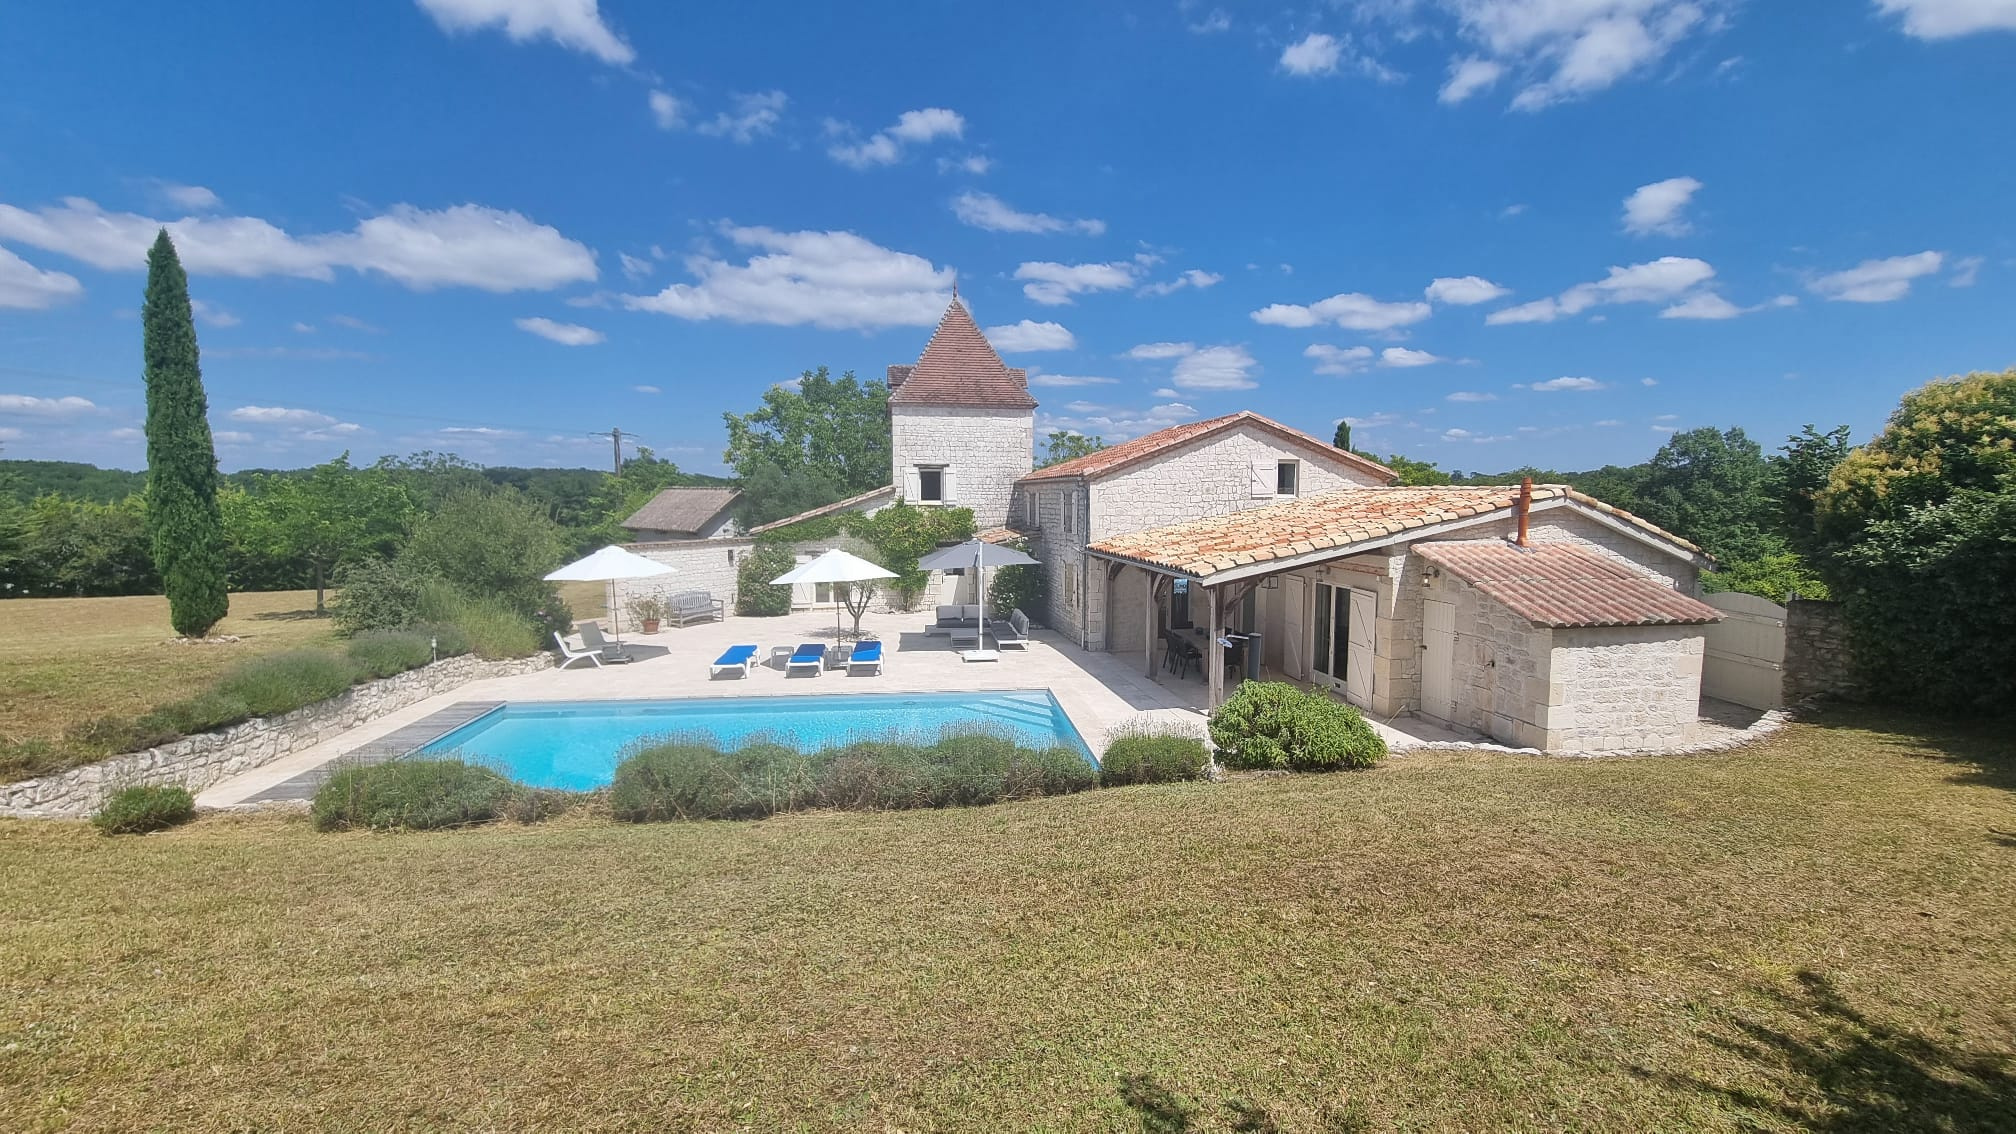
(1271, 724)
(1141, 754)
(34, 756)
(489, 627)
(674, 780)
(448, 638)
(281, 683)
(383, 653)
(495, 543)
(414, 794)
(202, 713)
(138, 810)
(878, 776)
(109, 735)
(755, 595)
(377, 594)
(536, 805)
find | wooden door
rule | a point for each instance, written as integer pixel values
(1363, 609)
(1438, 660)
(1294, 637)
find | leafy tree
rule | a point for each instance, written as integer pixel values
(1806, 462)
(335, 514)
(1917, 533)
(1064, 445)
(1412, 472)
(825, 441)
(1715, 488)
(182, 515)
(755, 595)
(617, 496)
(81, 547)
(25, 480)
(903, 533)
(1777, 577)
(430, 477)
(494, 544)
(855, 597)
(1342, 438)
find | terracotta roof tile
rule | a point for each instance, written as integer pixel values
(959, 368)
(1564, 585)
(1113, 458)
(681, 509)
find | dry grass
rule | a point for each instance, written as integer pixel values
(1815, 932)
(63, 661)
(586, 600)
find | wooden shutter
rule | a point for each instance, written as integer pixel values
(1265, 477)
(945, 491)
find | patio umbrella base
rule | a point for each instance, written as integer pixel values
(980, 655)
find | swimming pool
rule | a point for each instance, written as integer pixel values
(576, 744)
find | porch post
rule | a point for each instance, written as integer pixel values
(1148, 633)
(1215, 657)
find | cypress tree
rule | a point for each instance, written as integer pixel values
(183, 521)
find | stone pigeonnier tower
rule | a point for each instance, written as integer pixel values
(962, 425)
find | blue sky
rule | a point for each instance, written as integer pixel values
(1491, 232)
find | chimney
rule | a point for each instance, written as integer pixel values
(897, 376)
(1525, 507)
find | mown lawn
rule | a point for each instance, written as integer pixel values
(1813, 933)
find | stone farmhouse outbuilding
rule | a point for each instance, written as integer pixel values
(1535, 615)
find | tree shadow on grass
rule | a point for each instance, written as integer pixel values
(1983, 750)
(1161, 1110)
(308, 615)
(1868, 1075)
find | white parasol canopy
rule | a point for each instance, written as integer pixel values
(608, 565)
(835, 566)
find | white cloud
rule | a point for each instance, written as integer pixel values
(466, 245)
(304, 328)
(885, 147)
(1314, 54)
(1470, 396)
(1608, 422)
(1945, 19)
(1877, 281)
(1647, 383)
(1166, 392)
(23, 285)
(754, 116)
(1194, 277)
(1116, 424)
(1656, 208)
(1464, 291)
(831, 280)
(194, 198)
(1394, 357)
(975, 164)
(1074, 380)
(985, 210)
(573, 24)
(28, 405)
(211, 314)
(1214, 21)
(1709, 305)
(356, 324)
(566, 334)
(281, 415)
(1029, 335)
(1352, 310)
(1467, 76)
(1512, 210)
(1052, 284)
(647, 389)
(667, 111)
(635, 267)
(221, 436)
(1966, 270)
(1656, 281)
(1338, 360)
(1554, 384)
(1205, 368)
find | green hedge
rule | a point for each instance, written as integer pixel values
(413, 794)
(683, 779)
(1143, 754)
(1271, 724)
(755, 595)
(138, 810)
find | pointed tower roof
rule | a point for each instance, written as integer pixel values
(959, 368)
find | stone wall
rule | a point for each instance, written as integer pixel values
(1623, 688)
(984, 452)
(702, 565)
(196, 762)
(1819, 662)
(1499, 667)
(1210, 477)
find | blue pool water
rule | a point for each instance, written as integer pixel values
(576, 744)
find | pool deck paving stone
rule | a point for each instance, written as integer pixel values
(1098, 691)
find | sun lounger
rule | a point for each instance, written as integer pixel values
(808, 656)
(739, 660)
(569, 657)
(866, 658)
(610, 652)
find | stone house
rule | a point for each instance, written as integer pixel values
(1540, 617)
(684, 513)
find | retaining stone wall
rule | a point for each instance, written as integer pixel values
(196, 762)
(1819, 662)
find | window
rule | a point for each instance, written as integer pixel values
(1287, 478)
(1070, 511)
(930, 484)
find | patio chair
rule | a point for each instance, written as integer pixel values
(569, 657)
(739, 660)
(808, 656)
(1014, 632)
(866, 658)
(610, 652)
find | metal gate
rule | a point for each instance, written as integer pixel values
(1745, 660)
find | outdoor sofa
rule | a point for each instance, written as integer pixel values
(956, 616)
(1014, 632)
(688, 607)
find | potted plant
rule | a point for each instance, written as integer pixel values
(647, 611)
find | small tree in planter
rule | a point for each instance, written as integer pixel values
(647, 611)
(856, 597)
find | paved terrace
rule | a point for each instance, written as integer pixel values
(1097, 691)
